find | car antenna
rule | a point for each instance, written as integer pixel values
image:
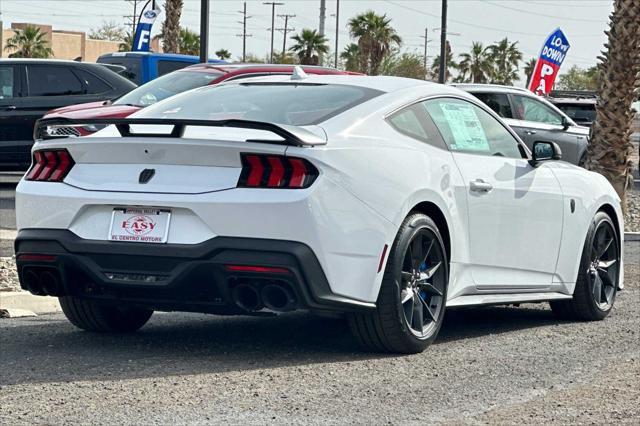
(298, 73)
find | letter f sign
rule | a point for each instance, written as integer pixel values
(143, 40)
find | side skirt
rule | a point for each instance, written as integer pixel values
(500, 299)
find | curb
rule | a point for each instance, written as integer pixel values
(631, 236)
(26, 301)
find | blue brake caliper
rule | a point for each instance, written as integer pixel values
(422, 293)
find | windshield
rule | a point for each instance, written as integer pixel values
(166, 86)
(283, 103)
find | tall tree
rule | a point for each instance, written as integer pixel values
(29, 42)
(577, 78)
(476, 65)
(189, 42)
(610, 148)
(309, 46)
(375, 38)
(451, 64)
(506, 57)
(223, 54)
(409, 65)
(171, 26)
(108, 30)
(529, 67)
(350, 57)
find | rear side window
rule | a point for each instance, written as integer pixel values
(132, 64)
(283, 103)
(7, 86)
(165, 67)
(414, 122)
(498, 102)
(93, 83)
(467, 128)
(53, 81)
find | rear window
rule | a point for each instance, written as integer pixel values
(282, 103)
(166, 66)
(166, 86)
(584, 113)
(133, 70)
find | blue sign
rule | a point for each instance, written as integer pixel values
(555, 48)
(142, 40)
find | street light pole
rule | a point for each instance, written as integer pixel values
(443, 44)
(204, 30)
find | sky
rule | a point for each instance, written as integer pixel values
(487, 21)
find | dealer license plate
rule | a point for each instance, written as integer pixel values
(140, 225)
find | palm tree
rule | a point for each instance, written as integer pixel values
(189, 43)
(451, 64)
(29, 42)
(476, 66)
(309, 46)
(507, 57)
(127, 43)
(223, 54)
(610, 148)
(529, 67)
(375, 38)
(171, 26)
(350, 57)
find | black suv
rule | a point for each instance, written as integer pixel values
(580, 105)
(31, 87)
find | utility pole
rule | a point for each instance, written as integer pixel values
(244, 34)
(426, 40)
(443, 44)
(323, 10)
(204, 31)
(133, 18)
(273, 23)
(335, 59)
(285, 30)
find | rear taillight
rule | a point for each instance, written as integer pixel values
(276, 171)
(50, 165)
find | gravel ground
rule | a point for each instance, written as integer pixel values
(490, 365)
(8, 274)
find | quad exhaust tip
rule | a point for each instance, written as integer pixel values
(42, 281)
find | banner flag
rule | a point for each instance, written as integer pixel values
(142, 40)
(551, 57)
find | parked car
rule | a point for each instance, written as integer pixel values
(142, 67)
(534, 118)
(171, 84)
(384, 198)
(31, 87)
(579, 105)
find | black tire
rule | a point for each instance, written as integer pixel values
(91, 316)
(592, 301)
(388, 328)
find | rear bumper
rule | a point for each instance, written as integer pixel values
(187, 277)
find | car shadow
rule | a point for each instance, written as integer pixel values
(48, 349)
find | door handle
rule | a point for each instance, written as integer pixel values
(10, 108)
(530, 132)
(479, 185)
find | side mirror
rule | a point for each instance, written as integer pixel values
(565, 123)
(545, 151)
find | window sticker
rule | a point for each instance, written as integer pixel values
(466, 128)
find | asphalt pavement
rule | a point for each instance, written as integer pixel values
(501, 365)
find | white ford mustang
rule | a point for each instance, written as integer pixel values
(384, 198)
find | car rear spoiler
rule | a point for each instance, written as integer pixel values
(49, 128)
